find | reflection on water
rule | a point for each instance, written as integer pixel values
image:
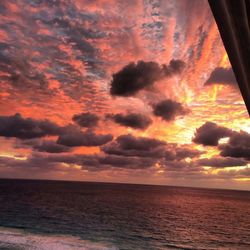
(16, 239)
(124, 216)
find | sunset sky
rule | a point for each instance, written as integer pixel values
(119, 91)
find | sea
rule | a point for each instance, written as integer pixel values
(59, 215)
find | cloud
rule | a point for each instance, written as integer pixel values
(62, 55)
(32, 162)
(183, 152)
(51, 147)
(168, 109)
(48, 146)
(222, 76)
(26, 128)
(238, 146)
(237, 152)
(181, 159)
(129, 145)
(178, 153)
(135, 77)
(70, 136)
(86, 120)
(182, 166)
(73, 137)
(98, 162)
(219, 162)
(210, 133)
(126, 152)
(95, 162)
(138, 143)
(234, 173)
(127, 162)
(241, 138)
(19, 70)
(174, 67)
(133, 120)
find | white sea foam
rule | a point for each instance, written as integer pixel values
(16, 239)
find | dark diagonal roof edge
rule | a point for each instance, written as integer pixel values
(233, 18)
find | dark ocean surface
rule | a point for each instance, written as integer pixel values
(78, 215)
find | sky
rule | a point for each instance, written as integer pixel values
(129, 91)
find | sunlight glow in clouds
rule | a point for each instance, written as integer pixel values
(117, 91)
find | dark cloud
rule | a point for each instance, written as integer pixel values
(168, 110)
(128, 145)
(210, 133)
(46, 163)
(237, 152)
(241, 138)
(183, 152)
(26, 128)
(178, 153)
(238, 146)
(48, 146)
(135, 77)
(98, 162)
(126, 152)
(52, 161)
(222, 76)
(175, 159)
(127, 162)
(180, 166)
(138, 143)
(33, 162)
(219, 162)
(123, 147)
(133, 120)
(89, 162)
(86, 120)
(174, 67)
(73, 137)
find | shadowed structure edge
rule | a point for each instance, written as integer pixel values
(233, 18)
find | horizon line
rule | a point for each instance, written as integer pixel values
(125, 183)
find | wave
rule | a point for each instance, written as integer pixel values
(17, 239)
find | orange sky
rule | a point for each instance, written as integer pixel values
(60, 59)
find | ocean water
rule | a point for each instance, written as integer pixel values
(98, 216)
